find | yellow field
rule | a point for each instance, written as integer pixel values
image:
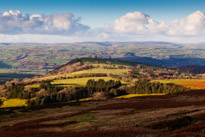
(190, 83)
(104, 71)
(16, 102)
(138, 95)
(98, 68)
(79, 81)
(37, 85)
(81, 100)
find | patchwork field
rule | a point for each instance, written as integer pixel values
(190, 83)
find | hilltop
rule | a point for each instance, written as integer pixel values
(82, 78)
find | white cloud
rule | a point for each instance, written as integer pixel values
(192, 25)
(135, 26)
(137, 23)
(14, 22)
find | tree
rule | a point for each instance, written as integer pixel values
(145, 86)
(1, 102)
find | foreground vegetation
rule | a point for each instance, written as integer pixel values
(167, 115)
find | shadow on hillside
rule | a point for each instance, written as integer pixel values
(171, 62)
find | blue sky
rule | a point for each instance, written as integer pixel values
(96, 13)
(105, 20)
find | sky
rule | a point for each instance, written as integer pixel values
(62, 21)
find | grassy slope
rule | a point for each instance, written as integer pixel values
(79, 81)
(103, 71)
(98, 68)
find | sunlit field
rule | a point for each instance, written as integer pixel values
(98, 68)
(36, 85)
(16, 102)
(103, 71)
(138, 95)
(190, 83)
(80, 100)
(79, 81)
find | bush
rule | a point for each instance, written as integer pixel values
(99, 96)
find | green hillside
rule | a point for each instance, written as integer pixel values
(85, 77)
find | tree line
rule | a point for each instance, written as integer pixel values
(48, 93)
(144, 86)
(68, 94)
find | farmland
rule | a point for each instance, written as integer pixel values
(14, 103)
(191, 83)
(101, 70)
(41, 58)
(78, 81)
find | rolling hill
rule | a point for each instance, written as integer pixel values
(96, 96)
(82, 78)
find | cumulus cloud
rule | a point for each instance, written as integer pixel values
(192, 25)
(137, 23)
(133, 26)
(14, 22)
